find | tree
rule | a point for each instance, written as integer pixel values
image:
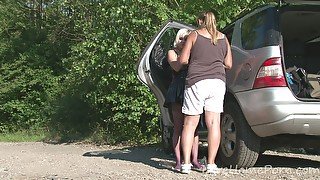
(69, 66)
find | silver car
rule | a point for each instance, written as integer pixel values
(266, 106)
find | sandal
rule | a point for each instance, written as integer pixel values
(198, 167)
(177, 168)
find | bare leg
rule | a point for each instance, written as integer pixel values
(194, 153)
(178, 124)
(195, 149)
(187, 139)
(213, 125)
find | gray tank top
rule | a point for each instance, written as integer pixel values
(206, 60)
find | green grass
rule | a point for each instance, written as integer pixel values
(22, 136)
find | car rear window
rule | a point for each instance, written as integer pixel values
(260, 30)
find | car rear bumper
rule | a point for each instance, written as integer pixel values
(272, 111)
(292, 124)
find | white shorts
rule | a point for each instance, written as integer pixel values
(206, 94)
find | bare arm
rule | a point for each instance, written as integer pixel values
(228, 58)
(173, 60)
(185, 54)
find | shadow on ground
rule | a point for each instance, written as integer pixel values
(151, 155)
(154, 156)
(285, 161)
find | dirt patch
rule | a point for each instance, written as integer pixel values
(82, 161)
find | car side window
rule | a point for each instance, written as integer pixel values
(160, 68)
(159, 52)
(260, 30)
(228, 32)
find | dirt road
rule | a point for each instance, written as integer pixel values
(80, 161)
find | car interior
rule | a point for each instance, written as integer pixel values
(301, 37)
(301, 42)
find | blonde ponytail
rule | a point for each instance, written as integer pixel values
(209, 22)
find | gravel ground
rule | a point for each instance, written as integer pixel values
(39, 160)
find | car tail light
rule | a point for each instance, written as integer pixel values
(270, 74)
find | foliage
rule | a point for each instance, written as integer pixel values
(102, 68)
(26, 73)
(70, 66)
(23, 136)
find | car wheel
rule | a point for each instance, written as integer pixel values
(239, 147)
(166, 138)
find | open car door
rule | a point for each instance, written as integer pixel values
(154, 71)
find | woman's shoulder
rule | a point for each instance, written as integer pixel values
(193, 33)
(221, 35)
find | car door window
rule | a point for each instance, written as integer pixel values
(160, 68)
(229, 32)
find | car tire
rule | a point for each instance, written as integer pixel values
(239, 146)
(166, 138)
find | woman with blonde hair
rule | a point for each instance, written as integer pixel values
(207, 53)
(174, 99)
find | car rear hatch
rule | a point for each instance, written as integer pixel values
(300, 29)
